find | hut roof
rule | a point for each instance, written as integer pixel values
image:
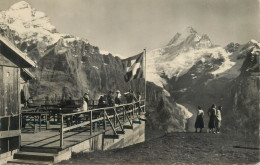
(14, 54)
(27, 74)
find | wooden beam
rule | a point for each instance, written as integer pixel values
(120, 132)
(91, 123)
(7, 134)
(128, 127)
(61, 132)
(75, 126)
(118, 120)
(111, 124)
(136, 122)
(129, 120)
(111, 136)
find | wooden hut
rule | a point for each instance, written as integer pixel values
(12, 61)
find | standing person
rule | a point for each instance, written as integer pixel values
(199, 120)
(218, 119)
(84, 105)
(118, 98)
(130, 97)
(212, 118)
(110, 99)
(138, 97)
(86, 97)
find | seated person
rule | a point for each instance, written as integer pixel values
(70, 101)
(101, 102)
(30, 102)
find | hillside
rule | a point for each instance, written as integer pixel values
(179, 148)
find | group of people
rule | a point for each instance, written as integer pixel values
(214, 119)
(111, 99)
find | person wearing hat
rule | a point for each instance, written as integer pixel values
(199, 120)
(118, 98)
(130, 96)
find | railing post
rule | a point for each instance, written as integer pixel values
(133, 109)
(40, 124)
(114, 117)
(91, 124)
(105, 120)
(61, 132)
(123, 114)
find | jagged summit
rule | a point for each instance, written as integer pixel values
(190, 38)
(28, 24)
(25, 26)
(20, 5)
(190, 30)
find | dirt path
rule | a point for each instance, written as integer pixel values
(179, 148)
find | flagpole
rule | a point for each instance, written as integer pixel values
(145, 81)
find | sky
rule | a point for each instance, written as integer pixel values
(126, 27)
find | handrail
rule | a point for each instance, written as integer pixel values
(129, 111)
(98, 109)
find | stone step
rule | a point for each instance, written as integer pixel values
(35, 156)
(19, 161)
(40, 149)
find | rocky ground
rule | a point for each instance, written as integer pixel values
(180, 148)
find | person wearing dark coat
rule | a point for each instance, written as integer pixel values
(199, 120)
(110, 99)
(101, 102)
(130, 96)
(212, 118)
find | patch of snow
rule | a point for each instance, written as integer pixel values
(256, 49)
(152, 73)
(186, 113)
(178, 64)
(95, 67)
(226, 65)
(166, 93)
(202, 60)
(104, 52)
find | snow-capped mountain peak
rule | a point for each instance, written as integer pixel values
(189, 38)
(176, 59)
(28, 24)
(20, 5)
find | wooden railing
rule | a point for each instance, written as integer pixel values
(111, 115)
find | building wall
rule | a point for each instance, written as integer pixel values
(9, 108)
